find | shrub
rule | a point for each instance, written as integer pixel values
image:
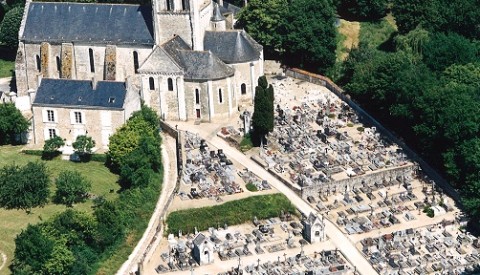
(360, 129)
(33, 152)
(51, 146)
(246, 143)
(349, 124)
(251, 187)
(72, 187)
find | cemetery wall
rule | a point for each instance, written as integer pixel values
(357, 182)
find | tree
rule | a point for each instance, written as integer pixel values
(310, 35)
(24, 187)
(110, 224)
(51, 146)
(263, 116)
(443, 50)
(83, 146)
(363, 9)
(264, 21)
(32, 249)
(72, 187)
(10, 26)
(12, 123)
(127, 138)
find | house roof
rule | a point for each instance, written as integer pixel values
(159, 61)
(80, 94)
(232, 46)
(197, 65)
(92, 23)
(199, 239)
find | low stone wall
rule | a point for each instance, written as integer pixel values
(357, 182)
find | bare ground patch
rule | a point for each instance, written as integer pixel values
(351, 32)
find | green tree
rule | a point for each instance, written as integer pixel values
(363, 9)
(83, 146)
(411, 13)
(51, 146)
(110, 224)
(127, 138)
(10, 26)
(310, 35)
(24, 187)
(263, 116)
(264, 21)
(443, 50)
(12, 123)
(32, 249)
(72, 188)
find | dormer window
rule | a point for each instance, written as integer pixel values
(111, 100)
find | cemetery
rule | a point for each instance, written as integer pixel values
(209, 174)
(281, 245)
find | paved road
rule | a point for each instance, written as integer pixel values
(336, 236)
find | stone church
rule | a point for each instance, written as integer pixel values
(83, 68)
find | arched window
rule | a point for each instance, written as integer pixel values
(135, 61)
(170, 84)
(220, 96)
(151, 83)
(58, 63)
(37, 62)
(243, 88)
(92, 60)
(197, 96)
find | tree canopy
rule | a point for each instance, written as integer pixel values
(72, 187)
(12, 123)
(24, 187)
(10, 26)
(263, 116)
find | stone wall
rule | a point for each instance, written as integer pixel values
(357, 181)
(173, 23)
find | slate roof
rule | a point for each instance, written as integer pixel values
(217, 14)
(199, 239)
(92, 23)
(80, 94)
(232, 46)
(197, 65)
(159, 61)
(227, 7)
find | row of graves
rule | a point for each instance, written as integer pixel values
(242, 247)
(377, 206)
(435, 249)
(208, 173)
(321, 147)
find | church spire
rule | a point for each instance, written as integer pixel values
(217, 14)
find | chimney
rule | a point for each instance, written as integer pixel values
(39, 79)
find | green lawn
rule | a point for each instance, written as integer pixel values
(7, 68)
(232, 212)
(13, 221)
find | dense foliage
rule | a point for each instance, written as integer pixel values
(10, 26)
(51, 147)
(24, 187)
(428, 90)
(460, 16)
(78, 243)
(363, 9)
(231, 213)
(262, 118)
(83, 146)
(12, 124)
(72, 187)
(301, 32)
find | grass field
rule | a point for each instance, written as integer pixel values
(232, 212)
(348, 35)
(6, 68)
(13, 221)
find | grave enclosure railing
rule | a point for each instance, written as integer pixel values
(330, 85)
